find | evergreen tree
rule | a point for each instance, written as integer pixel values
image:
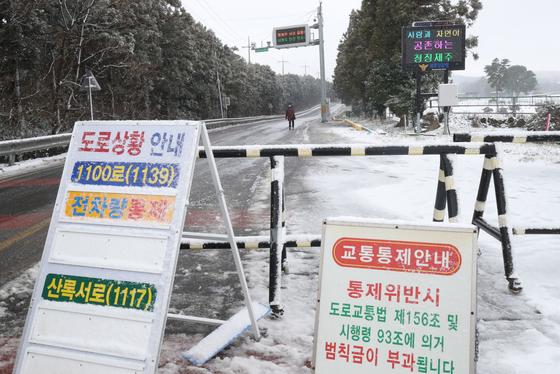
(151, 58)
(368, 73)
(518, 79)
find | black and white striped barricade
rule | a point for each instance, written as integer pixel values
(251, 242)
(492, 168)
(448, 196)
(277, 232)
(517, 138)
(520, 230)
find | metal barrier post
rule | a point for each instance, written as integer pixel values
(284, 229)
(276, 235)
(514, 283)
(451, 193)
(483, 187)
(439, 208)
(446, 195)
(492, 168)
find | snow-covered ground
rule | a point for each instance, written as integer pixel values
(518, 333)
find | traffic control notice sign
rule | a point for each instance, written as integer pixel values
(396, 298)
(101, 298)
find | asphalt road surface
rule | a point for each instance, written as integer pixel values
(203, 278)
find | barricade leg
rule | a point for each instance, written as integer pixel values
(492, 168)
(276, 235)
(439, 208)
(284, 229)
(483, 188)
(507, 250)
(450, 191)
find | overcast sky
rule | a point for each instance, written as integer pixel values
(520, 30)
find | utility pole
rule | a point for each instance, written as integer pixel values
(249, 49)
(219, 86)
(324, 104)
(220, 92)
(305, 68)
(249, 46)
(283, 61)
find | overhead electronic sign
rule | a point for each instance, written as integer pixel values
(433, 48)
(290, 36)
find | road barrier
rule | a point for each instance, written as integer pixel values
(524, 137)
(446, 196)
(13, 148)
(518, 138)
(492, 168)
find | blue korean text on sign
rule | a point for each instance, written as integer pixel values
(126, 174)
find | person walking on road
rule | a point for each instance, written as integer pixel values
(291, 117)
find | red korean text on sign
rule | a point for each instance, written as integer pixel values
(428, 258)
(116, 142)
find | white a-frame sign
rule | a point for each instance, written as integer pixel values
(101, 298)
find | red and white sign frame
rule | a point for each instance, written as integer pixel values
(359, 271)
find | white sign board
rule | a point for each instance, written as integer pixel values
(101, 298)
(448, 95)
(396, 298)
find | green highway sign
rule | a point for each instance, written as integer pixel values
(263, 49)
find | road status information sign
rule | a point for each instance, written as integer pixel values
(433, 48)
(290, 36)
(101, 298)
(396, 298)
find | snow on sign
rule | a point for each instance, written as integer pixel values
(396, 298)
(101, 298)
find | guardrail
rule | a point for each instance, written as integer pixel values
(13, 148)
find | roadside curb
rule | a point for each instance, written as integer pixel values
(356, 126)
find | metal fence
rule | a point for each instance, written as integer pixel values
(499, 105)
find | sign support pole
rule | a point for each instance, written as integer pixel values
(324, 103)
(229, 230)
(446, 109)
(418, 102)
(90, 99)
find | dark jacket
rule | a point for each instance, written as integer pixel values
(290, 114)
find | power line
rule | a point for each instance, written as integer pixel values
(212, 22)
(219, 19)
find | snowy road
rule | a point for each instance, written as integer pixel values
(518, 334)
